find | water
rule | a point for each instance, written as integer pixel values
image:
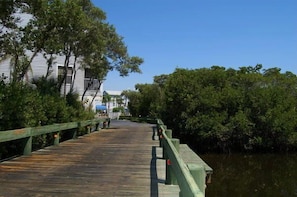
(257, 175)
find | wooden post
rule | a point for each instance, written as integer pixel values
(79, 129)
(97, 127)
(170, 176)
(88, 129)
(56, 138)
(74, 133)
(199, 175)
(160, 134)
(168, 132)
(27, 145)
(108, 122)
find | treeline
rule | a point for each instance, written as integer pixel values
(224, 110)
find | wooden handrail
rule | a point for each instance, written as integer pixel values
(26, 134)
(190, 177)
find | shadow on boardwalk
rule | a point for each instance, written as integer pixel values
(155, 181)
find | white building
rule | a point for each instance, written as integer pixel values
(39, 68)
(116, 100)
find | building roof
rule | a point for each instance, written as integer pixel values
(113, 92)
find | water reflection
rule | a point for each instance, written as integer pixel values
(260, 175)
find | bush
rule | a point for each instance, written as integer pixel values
(21, 107)
(118, 109)
(34, 105)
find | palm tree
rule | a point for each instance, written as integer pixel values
(106, 99)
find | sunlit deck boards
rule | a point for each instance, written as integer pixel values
(121, 161)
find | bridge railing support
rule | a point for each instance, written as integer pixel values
(27, 145)
(170, 175)
(199, 174)
(56, 138)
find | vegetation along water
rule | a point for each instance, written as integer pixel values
(247, 115)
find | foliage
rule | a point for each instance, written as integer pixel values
(21, 106)
(76, 108)
(118, 109)
(134, 102)
(147, 100)
(73, 29)
(34, 105)
(224, 110)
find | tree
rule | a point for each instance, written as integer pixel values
(224, 110)
(73, 28)
(43, 30)
(144, 101)
(113, 56)
(27, 33)
(134, 102)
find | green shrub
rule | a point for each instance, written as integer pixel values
(34, 105)
(21, 107)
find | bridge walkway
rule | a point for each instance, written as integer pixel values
(120, 161)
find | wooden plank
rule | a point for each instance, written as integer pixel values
(121, 161)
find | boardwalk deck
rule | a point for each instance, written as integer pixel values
(121, 161)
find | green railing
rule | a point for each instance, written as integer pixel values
(26, 134)
(191, 177)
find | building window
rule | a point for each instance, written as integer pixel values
(90, 81)
(68, 75)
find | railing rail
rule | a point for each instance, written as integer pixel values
(190, 177)
(26, 134)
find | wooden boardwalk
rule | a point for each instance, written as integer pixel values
(121, 161)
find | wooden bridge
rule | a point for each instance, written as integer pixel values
(124, 160)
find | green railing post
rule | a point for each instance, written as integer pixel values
(74, 133)
(170, 176)
(27, 145)
(88, 128)
(97, 127)
(56, 138)
(161, 135)
(79, 129)
(104, 126)
(199, 175)
(168, 132)
(108, 122)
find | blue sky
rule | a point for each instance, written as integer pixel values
(170, 34)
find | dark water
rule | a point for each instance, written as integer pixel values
(237, 175)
